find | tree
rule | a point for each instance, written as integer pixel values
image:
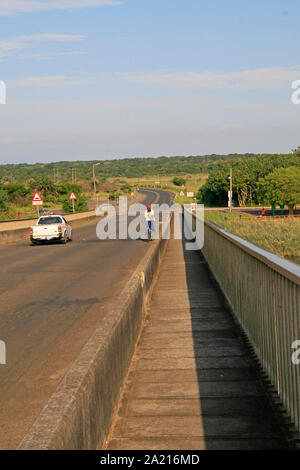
(281, 187)
(46, 186)
(67, 188)
(215, 191)
(4, 207)
(15, 190)
(241, 182)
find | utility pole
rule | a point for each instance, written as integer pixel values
(95, 188)
(230, 191)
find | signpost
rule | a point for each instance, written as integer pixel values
(37, 200)
(73, 198)
(191, 195)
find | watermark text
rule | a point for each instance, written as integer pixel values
(296, 94)
(132, 222)
(2, 353)
(2, 92)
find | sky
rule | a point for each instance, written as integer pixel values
(104, 79)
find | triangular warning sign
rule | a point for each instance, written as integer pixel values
(37, 197)
(72, 197)
(37, 200)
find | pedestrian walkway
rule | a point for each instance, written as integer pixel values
(191, 384)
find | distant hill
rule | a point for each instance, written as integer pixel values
(128, 167)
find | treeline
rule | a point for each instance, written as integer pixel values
(262, 179)
(128, 167)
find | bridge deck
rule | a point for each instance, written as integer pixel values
(191, 384)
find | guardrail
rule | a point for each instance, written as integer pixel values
(263, 291)
(35, 218)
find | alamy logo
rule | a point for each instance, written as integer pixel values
(160, 219)
(296, 353)
(296, 95)
(2, 353)
(2, 92)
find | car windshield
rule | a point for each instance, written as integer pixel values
(50, 220)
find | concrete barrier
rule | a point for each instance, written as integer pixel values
(12, 236)
(79, 413)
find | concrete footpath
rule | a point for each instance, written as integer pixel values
(191, 384)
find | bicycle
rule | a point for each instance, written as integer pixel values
(149, 230)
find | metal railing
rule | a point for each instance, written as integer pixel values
(263, 291)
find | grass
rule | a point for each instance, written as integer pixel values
(278, 235)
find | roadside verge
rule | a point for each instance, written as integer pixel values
(16, 231)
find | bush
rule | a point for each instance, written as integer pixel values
(113, 195)
(16, 191)
(178, 181)
(4, 207)
(79, 206)
(126, 188)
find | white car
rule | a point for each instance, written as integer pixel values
(51, 227)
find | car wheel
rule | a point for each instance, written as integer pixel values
(65, 238)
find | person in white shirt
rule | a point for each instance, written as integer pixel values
(150, 219)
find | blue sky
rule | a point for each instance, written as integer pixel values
(96, 79)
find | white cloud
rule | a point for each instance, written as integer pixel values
(12, 7)
(50, 55)
(10, 46)
(50, 37)
(50, 81)
(257, 79)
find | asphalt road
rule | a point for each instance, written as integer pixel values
(51, 299)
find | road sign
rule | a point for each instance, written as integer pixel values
(190, 194)
(37, 199)
(73, 197)
(181, 193)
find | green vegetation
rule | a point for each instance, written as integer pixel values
(124, 168)
(115, 177)
(113, 195)
(278, 235)
(4, 207)
(15, 198)
(282, 187)
(248, 177)
(80, 205)
(178, 181)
